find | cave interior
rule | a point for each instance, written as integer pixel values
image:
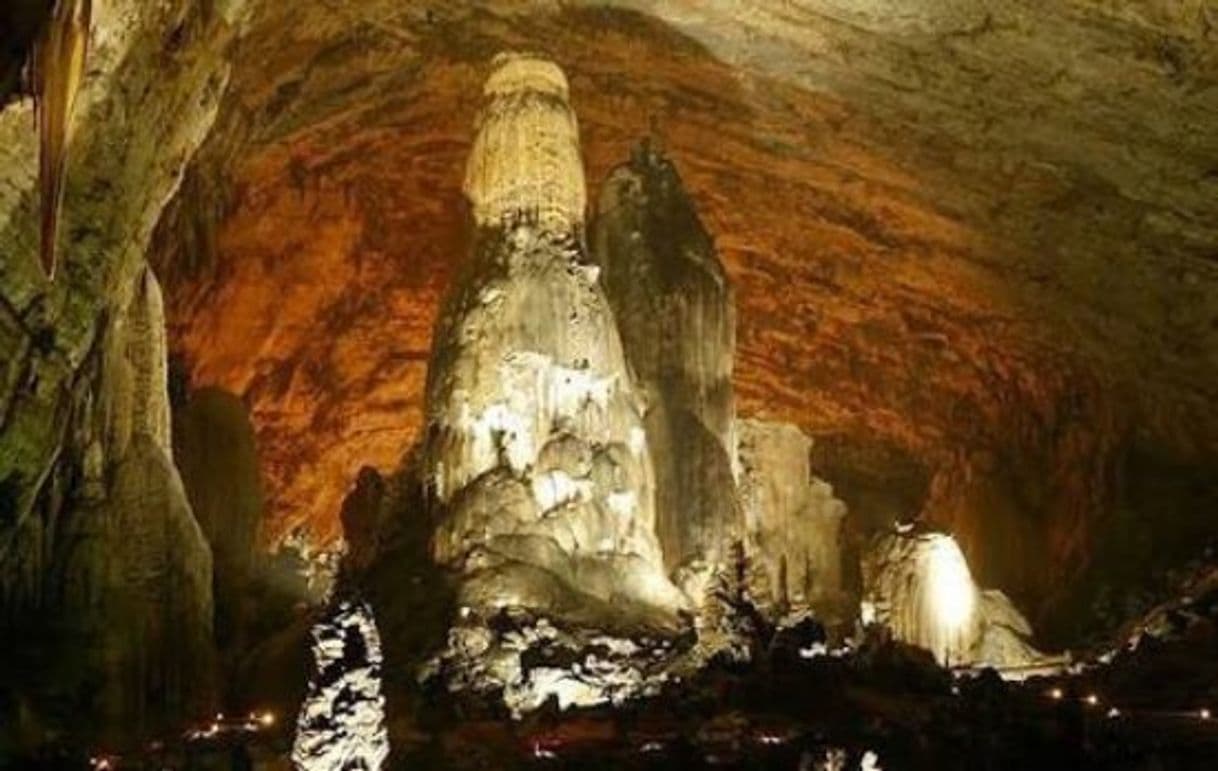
(608, 384)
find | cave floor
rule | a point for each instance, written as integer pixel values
(883, 710)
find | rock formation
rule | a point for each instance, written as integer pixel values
(535, 451)
(104, 575)
(127, 590)
(677, 318)
(215, 452)
(918, 585)
(792, 523)
(341, 725)
(957, 279)
(161, 561)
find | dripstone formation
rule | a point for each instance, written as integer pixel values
(578, 459)
(677, 318)
(918, 586)
(792, 525)
(123, 597)
(535, 452)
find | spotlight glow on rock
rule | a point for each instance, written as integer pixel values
(952, 593)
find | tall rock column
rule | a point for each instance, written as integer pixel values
(215, 451)
(130, 580)
(677, 317)
(158, 593)
(536, 456)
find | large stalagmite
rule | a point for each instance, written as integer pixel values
(536, 455)
(157, 596)
(677, 318)
(132, 570)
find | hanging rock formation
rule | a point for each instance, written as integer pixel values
(792, 523)
(58, 69)
(677, 318)
(535, 454)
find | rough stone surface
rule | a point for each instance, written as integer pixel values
(526, 662)
(674, 308)
(342, 721)
(535, 452)
(792, 523)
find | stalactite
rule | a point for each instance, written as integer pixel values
(58, 68)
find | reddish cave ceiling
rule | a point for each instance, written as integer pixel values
(896, 287)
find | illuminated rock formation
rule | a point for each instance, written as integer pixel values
(341, 724)
(526, 159)
(677, 318)
(535, 452)
(918, 585)
(901, 278)
(792, 522)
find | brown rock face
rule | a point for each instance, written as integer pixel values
(979, 240)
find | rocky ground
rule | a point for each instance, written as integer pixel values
(884, 707)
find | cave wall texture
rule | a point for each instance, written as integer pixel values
(974, 245)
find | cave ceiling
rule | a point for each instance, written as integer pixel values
(981, 238)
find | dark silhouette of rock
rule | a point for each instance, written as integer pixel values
(216, 455)
(677, 317)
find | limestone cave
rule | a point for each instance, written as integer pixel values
(608, 384)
